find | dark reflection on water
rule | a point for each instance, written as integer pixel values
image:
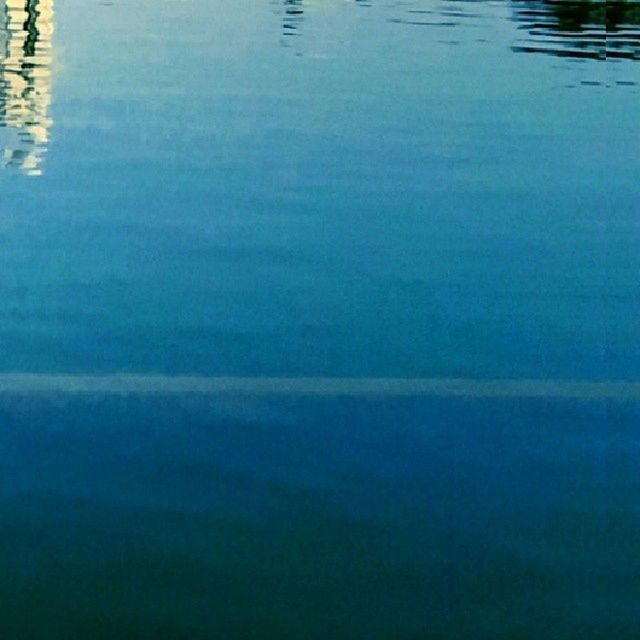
(565, 28)
(293, 16)
(25, 82)
(294, 12)
(579, 29)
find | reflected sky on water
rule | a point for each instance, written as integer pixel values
(563, 28)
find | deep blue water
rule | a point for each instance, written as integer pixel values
(412, 518)
(302, 188)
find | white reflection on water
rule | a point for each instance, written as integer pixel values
(26, 29)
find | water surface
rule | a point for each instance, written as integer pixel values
(319, 190)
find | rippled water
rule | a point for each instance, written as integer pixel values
(600, 30)
(423, 189)
(320, 188)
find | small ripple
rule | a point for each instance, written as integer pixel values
(424, 23)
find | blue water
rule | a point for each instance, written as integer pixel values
(413, 518)
(302, 188)
(367, 196)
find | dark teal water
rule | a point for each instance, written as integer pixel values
(412, 518)
(417, 189)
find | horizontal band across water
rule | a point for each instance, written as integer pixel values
(26, 383)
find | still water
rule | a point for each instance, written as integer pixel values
(319, 188)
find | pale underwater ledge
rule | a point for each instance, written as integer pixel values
(131, 384)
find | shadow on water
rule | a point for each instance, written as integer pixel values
(26, 28)
(585, 29)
